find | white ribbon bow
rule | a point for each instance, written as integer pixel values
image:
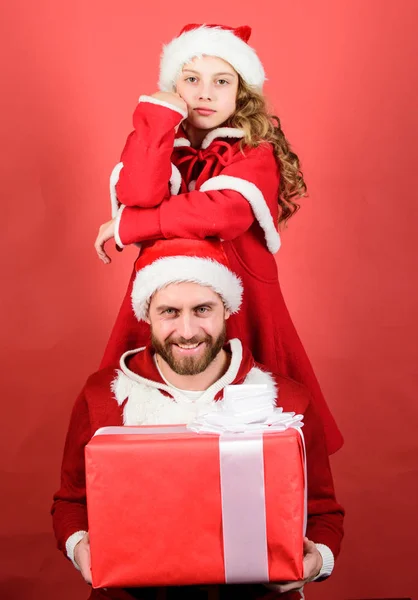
(246, 408)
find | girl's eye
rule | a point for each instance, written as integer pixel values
(191, 79)
(223, 81)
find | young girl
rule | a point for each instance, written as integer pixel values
(207, 160)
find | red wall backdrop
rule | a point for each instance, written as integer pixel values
(343, 79)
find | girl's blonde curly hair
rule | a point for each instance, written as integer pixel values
(252, 116)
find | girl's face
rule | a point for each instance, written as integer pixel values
(209, 87)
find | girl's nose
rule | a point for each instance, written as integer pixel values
(205, 91)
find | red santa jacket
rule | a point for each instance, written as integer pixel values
(168, 189)
(164, 188)
(136, 394)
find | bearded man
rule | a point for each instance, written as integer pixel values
(186, 291)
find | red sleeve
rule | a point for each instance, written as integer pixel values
(225, 206)
(69, 511)
(325, 515)
(144, 178)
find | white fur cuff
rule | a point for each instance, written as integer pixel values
(71, 543)
(327, 561)
(114, 178)
(117, 225)
(159, 102)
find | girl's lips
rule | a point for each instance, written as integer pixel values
(204, 111)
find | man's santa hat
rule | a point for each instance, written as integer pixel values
(184, 261)
(228, 43)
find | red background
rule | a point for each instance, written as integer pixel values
(343, 78)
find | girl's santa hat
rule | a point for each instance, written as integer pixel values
(178, 261)
(228, 43)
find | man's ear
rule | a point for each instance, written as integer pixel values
(227, 314)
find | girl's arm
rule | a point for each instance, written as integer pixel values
(224, 207)
(193, 215)
(147, 170)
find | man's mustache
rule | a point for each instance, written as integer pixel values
(194, 340)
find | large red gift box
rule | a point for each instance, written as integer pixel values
(167, 506)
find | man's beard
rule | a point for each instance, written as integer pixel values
(190, 365)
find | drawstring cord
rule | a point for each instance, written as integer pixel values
(195, 155)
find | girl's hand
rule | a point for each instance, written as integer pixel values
(106, 232)
(171, 98)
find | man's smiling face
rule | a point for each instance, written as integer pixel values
(187, 326)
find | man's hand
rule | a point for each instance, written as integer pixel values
(172, 98)
(312, 564)
(82, 557)
(106, 232)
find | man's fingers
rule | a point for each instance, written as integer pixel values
(86, 562)
(86, 575)
(308, 546)
(312, 560)
(309, 564)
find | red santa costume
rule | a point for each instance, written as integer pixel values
(163, 188)
(138, 394)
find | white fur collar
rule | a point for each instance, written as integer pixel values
(219, 132)
(182, 141)
(147, 405)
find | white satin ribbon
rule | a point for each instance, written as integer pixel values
(247, 412)
(243, 507)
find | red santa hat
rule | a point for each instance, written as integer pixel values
(176, 261)
(228, 43)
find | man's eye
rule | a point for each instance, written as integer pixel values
(202, 310)
(169, 312)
